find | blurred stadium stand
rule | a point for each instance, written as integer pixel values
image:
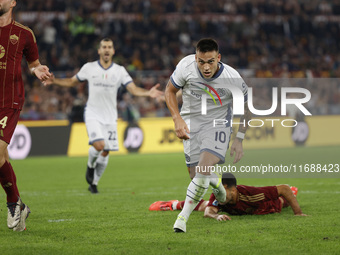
(260, 38)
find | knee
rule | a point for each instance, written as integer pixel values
(105, 153)
(99, 146)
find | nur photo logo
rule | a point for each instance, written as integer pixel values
(278, 101)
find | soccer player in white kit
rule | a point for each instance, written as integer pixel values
(205, 83)
(104, 78)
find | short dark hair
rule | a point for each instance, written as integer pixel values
(206, 45)
(229, 179)
(106, 39)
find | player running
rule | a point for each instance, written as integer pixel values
(104, 79)
(204, 121)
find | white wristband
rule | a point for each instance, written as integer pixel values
(240, 135)
(32, 70)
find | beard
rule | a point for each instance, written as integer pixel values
(3, 10)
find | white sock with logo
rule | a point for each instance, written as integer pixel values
(101, 165)
(195, 192)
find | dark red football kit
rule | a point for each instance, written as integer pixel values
(252, 200)
(16, 41)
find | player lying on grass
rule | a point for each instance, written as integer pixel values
(242, 200)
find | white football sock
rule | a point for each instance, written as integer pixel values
(195, 192)
(215, 181)
(93, 155)
(101, 165)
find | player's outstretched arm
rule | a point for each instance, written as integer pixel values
(212, 212)
(181, 127)
(286, 192)
(65, 82)
(237, 146)
(39, 70)
(154, 92)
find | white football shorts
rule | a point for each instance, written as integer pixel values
(97, 131)
(213, 139)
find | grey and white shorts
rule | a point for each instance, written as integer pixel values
(97, 131)
(213, 139)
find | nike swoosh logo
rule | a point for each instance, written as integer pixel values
(217, 148)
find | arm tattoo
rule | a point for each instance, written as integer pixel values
(244, 119)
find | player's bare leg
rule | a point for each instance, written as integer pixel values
(197, 188)
(191, 171)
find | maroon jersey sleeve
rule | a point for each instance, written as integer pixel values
(31, 49)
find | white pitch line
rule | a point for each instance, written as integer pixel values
(60, 220)
(318, 192)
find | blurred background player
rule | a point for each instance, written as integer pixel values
(204, 143)
(104, 79)
(16, 41)
(241, 200)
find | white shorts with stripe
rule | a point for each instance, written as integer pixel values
(214, 140)
(97, 131)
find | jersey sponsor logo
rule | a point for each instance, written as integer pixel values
(215, 203)
(104, 85)
(14, 39)
(209, 92)
(2, 51)
(193, 93)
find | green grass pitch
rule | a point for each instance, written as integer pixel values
(67, 219)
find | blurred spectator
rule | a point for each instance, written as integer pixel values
(265, 38)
